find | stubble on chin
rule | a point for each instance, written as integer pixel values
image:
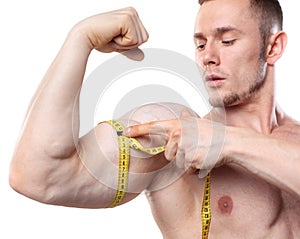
(234, 98)
(226, 101)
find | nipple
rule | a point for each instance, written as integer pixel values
(225, 205)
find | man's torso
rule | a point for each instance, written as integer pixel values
(242, 205)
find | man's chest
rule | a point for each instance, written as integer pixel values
(239, 202)
(244, 202)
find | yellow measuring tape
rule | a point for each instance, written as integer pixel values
(125, 143)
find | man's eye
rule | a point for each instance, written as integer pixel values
(228, 42)
(201, 47)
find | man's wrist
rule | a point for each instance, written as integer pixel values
(235, 140)
(78, 36)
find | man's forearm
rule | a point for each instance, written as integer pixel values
(52, 122)
(275, 160)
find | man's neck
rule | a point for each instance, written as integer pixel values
(259, 117)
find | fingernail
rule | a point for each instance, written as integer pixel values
(203, 173)
(127, 131)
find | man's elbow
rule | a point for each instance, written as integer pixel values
(24, 183)
(16, 182)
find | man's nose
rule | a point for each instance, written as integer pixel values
(210, 55)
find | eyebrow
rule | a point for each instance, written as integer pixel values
(218, 31)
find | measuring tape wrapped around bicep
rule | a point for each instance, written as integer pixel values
(124, 145)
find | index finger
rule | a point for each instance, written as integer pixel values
(162, 127)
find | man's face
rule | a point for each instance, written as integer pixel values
(229, 50)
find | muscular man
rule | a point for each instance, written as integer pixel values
(255, 182)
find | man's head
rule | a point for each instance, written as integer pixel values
(236, 41)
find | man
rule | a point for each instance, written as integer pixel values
(255, 184)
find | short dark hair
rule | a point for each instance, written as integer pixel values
(269, 13)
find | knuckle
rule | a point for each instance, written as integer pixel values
(176, 133)
(168, 156)
(189, 160)
(131, 11)
(146, 36)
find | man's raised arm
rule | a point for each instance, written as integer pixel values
(48, 161)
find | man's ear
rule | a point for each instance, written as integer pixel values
(276, 46)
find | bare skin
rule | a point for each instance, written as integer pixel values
(255, 181)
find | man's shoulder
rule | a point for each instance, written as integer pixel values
(289, 129)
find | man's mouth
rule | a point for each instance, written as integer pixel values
(214, 80)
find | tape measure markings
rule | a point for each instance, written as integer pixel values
(125, 143)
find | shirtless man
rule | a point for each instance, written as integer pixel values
(255, 189)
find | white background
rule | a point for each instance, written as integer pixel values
(32, 32)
